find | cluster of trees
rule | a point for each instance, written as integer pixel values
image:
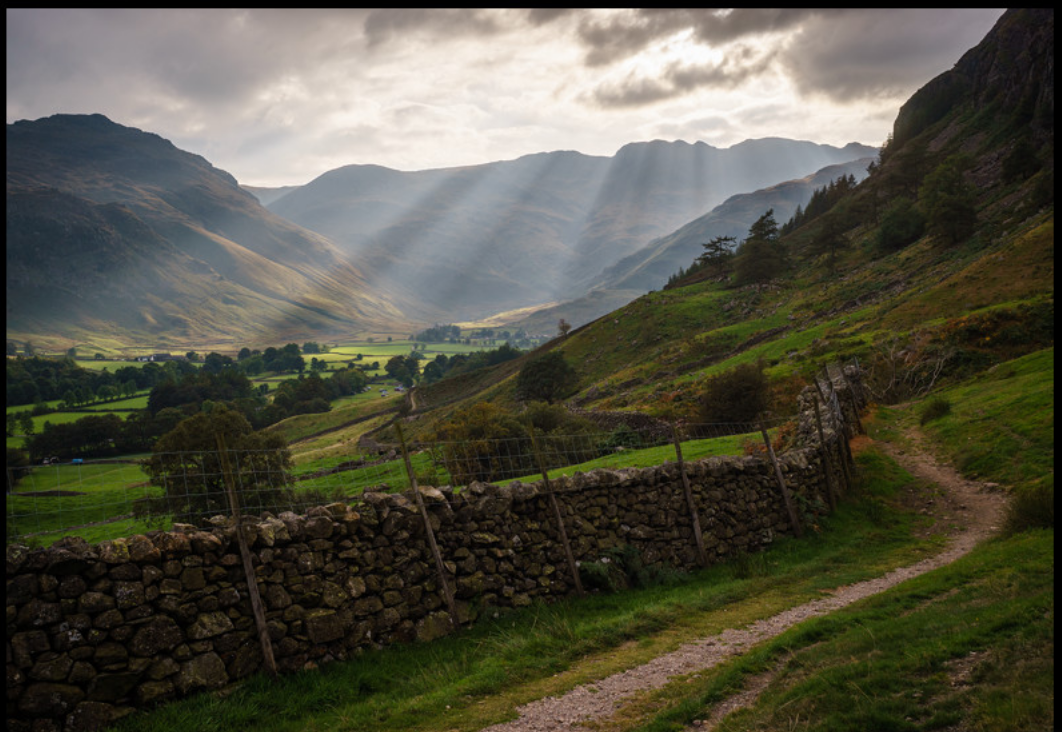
(822, 200)
(191, 390)
(36, 380)
(438, 334)
(442, 365)
(281, 360)
(487, 442)
(204, 455)
(311, 394)
(101, 435)
(176, 399)
(939, 202)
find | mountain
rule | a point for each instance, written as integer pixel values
(266, 195)
(473, 241)
(650, 267)
(116, 235)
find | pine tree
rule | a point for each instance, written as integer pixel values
(760, 257)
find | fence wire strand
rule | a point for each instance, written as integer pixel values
(106, 499)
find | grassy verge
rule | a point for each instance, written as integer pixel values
(1000, 424)
(969, 646)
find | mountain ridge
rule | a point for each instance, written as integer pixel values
(226, 250)
(585, 212)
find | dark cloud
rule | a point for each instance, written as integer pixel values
(679, 79)
(883, 53)
(620, 36)
(843, 55)
(542, 16)
(386, 25)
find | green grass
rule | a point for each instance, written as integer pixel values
(968, 646)
(430, 472)
(649, 456)
(1001, 423)
(88, 494)
(121, 405)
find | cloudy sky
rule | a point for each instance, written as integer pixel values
(277, 97)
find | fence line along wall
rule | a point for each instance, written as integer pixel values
(95, 631)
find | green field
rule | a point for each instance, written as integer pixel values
(52, 499)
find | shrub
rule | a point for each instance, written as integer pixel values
(935, 409)
(484, 442)
(602, 575)
(547, 378)
(738, 395)
(1031, 507)
(902, 223)
(623, 567)
(746, 566)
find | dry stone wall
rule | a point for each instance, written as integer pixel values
(96, 631)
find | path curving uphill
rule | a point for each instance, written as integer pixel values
(970, 510)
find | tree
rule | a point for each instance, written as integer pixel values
(718, 252)
(829, 241)
(1021, 163)
(192, 356)
(71, 352)
(563, 326)
(17, 464)
(546, 378)
(949, 203)
(902, 223)
(739, 395)
(402, 369)
(187, 463)
(214, 363)
(760, 257)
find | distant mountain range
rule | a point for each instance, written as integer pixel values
(469, 242)
(115, 235)
(650, 267)
(117, 238)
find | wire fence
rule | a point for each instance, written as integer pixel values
(106, 499)
(113, 498)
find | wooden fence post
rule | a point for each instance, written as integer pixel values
(842, 433)
(245, 555)
(789, 506)
(830, 492)
(702, 556)
(572, 566)
(440, 568)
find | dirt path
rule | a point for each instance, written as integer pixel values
(969, 511)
